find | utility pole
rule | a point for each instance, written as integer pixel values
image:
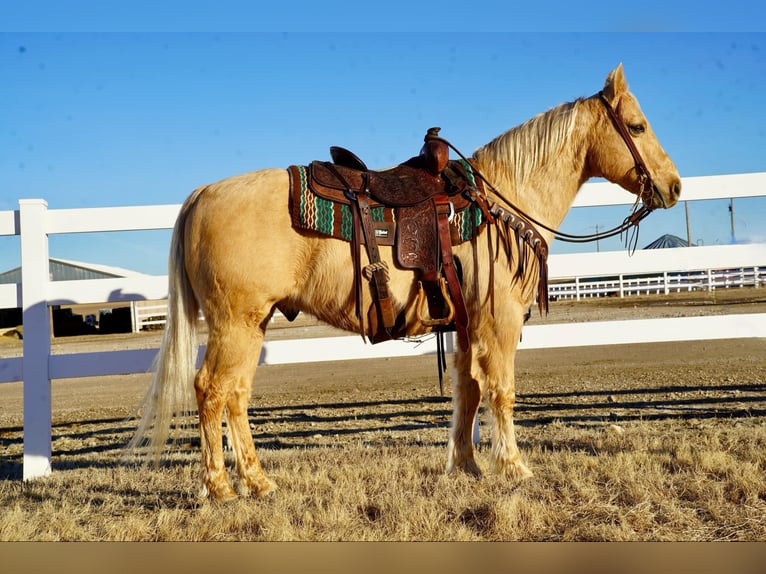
(688, 225)
(731, 219)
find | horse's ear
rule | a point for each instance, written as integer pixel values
(615, 83)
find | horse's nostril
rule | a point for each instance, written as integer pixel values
(675, 190)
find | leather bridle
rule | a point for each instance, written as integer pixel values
(642, 172)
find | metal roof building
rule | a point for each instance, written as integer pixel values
(66, 270)
(116, 317)
(667, 240)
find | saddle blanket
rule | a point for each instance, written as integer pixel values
(311, 212)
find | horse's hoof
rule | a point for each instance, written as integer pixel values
(468, 467)
(218, 493)
(266, 488)
(259, 488)
(515, 470)
(226, 497)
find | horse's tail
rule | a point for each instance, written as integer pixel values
(171, 394)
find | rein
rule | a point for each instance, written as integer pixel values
(632, 221)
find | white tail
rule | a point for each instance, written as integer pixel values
(171, 393)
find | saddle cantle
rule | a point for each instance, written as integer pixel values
(420, 208)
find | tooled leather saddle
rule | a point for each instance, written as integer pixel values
(420, 208)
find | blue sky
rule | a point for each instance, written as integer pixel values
(108, 118)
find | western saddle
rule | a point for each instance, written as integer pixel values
(419, 198)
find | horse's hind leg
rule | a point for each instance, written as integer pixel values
(252, 477)
(225, 380)
(211, 398)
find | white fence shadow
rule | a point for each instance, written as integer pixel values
(34, 222)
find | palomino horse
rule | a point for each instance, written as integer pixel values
(236, 257)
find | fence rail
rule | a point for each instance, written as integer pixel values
(33, 222)
(154, 316)
(661, 283)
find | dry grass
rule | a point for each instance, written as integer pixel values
(647, 443)
(629, 442)
(675, 484)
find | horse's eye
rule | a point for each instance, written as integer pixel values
(636, 129)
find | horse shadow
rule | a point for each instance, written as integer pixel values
(665, 403)
(99, 443)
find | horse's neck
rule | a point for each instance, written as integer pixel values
(546, 188)
(548, 197)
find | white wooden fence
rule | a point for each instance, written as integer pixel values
(652, 284)
(667, 271)
(34, 222)
(153, 316)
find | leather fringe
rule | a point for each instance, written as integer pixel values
(529, 243)
(541, 253)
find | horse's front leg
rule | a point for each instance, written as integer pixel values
(498, 361)
(488, 368)
(501, 398)
(466, 396)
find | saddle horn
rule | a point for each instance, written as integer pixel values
(435, 152)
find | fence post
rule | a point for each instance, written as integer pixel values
(35, 275)
(135, 325)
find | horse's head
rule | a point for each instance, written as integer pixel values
(625, 150)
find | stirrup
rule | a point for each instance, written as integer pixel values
(423, 311)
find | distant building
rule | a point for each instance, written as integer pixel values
(77, 319)
(666, 241)
(65, 270)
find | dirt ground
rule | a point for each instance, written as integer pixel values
(381, 399)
